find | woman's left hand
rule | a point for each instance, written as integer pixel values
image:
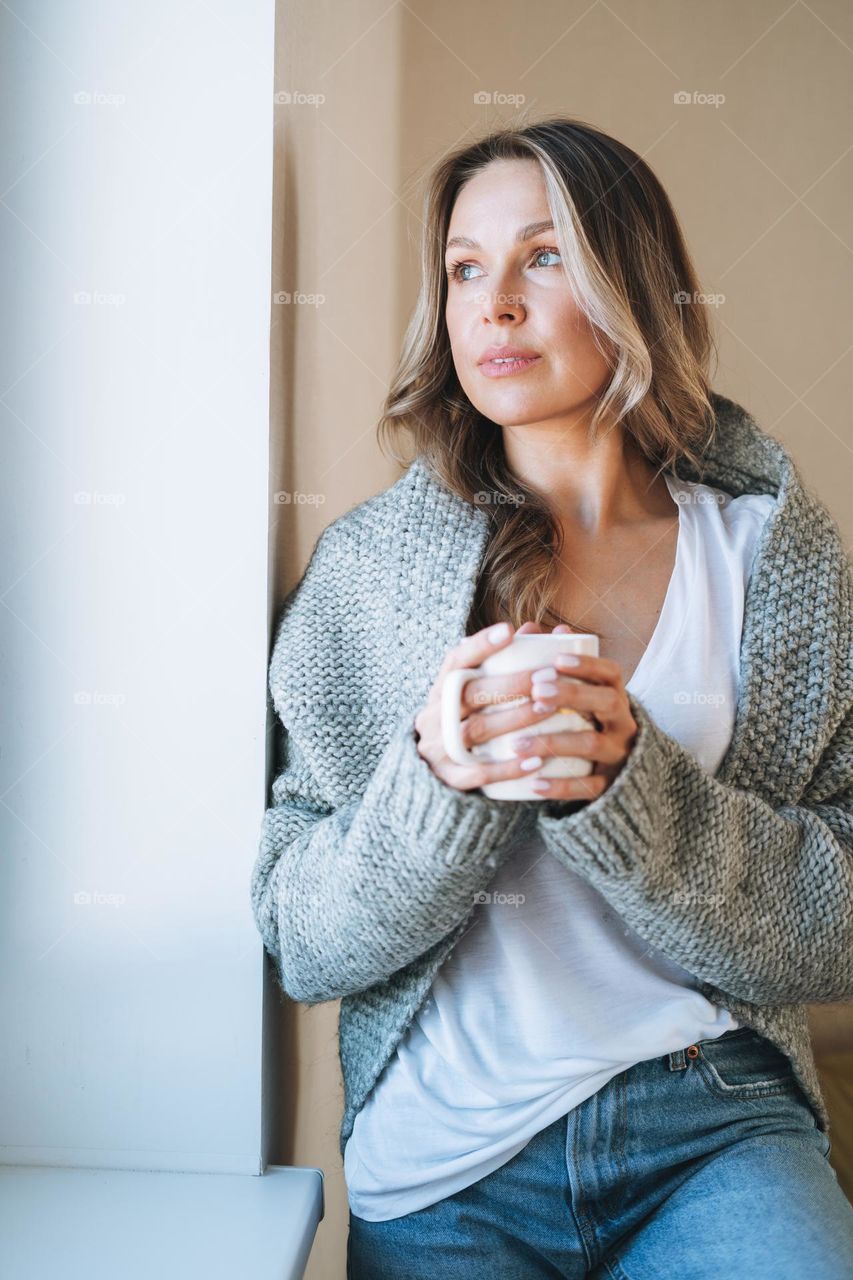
(601, 695)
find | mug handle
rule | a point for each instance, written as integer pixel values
(451, 720)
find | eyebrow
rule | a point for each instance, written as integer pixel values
(522, 235)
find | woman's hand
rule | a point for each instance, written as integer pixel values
(600, 695)
(477, 725)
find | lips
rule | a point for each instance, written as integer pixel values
(507, 362)
(507, 353)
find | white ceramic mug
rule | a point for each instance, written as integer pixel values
(526, 652)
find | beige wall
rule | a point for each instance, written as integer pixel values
(761, 184)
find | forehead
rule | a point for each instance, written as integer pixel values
(504, 196)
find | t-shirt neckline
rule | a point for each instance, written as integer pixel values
(670, 624)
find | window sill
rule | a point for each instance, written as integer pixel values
(103, 1223)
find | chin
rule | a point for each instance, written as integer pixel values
(510, 415)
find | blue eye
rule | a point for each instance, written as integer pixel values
(459, 268)
(455, 269)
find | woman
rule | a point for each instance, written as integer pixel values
(572, 1030)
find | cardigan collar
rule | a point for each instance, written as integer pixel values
(438, 541)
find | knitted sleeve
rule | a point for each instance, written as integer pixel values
(756, 900)
(344, 898)
(346, 892)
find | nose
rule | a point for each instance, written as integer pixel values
(498, 305)
(503, 300)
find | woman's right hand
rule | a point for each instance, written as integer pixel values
(477, 725)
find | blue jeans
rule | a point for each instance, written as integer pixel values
(705, 1162)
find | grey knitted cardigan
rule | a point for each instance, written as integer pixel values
(369, 865)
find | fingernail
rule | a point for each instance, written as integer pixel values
(532, 762)
(546, 690)
(545, 673)
(543, 706)
(541, 785)
(568, 659)
(500, 632)
(521, 744)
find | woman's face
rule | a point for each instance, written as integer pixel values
(505, 293)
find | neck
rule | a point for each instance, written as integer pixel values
(593, 490)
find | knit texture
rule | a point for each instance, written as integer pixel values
(369, 865)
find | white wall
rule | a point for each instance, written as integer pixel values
(133, 631)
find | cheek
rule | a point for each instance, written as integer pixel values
(460, 332)
(578, 344)
(450, 322)
(454, 319)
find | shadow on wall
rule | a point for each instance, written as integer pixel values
(832, 1037)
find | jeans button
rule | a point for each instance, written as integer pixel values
(692, 1051)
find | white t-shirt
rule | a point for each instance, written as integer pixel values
(549, 994)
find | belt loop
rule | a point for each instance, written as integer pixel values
(676, 1060)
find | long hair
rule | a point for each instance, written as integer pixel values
(631, 275)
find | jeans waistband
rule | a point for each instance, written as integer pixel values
(678, 1059)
